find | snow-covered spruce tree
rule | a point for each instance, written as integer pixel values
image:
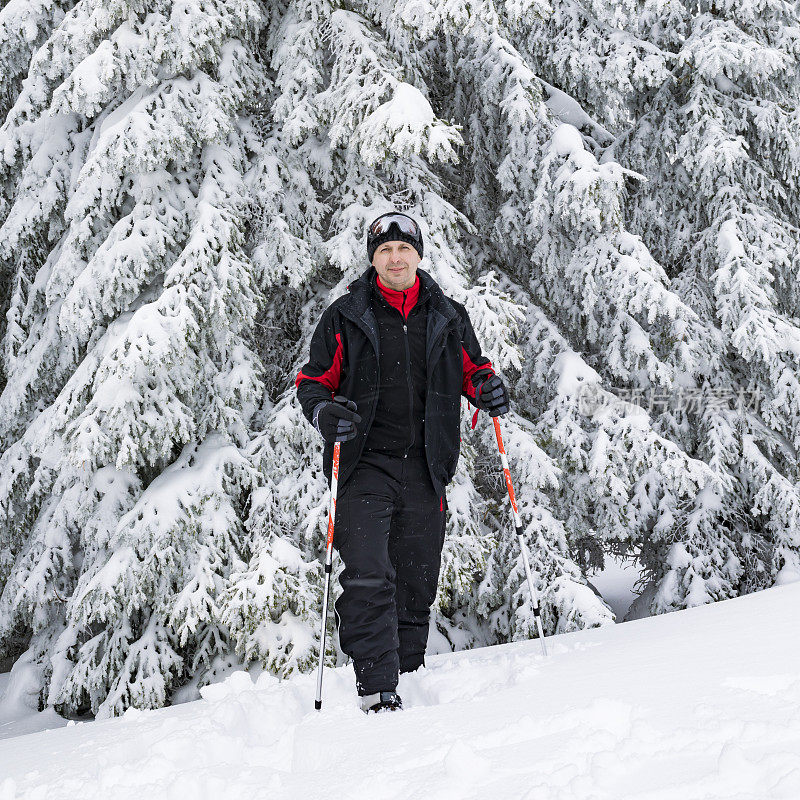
(347, 109)
(716, 141)
(361, 130)
(558, 226)
(712, 559)
(589, 59)
(569, 603)
(185, 184)
(129, 386)
(23, 27)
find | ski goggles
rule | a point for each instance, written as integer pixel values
(404, 223)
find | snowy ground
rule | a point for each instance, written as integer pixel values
(698, 705)
(19, 696)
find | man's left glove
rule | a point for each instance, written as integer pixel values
(491, 396)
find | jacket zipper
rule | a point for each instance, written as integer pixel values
(408, 378)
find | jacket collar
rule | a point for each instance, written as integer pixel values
(360, 290)
(403, 300)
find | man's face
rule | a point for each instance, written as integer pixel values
(396, 264)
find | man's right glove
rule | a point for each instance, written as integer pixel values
(336, 419)
(491, 396)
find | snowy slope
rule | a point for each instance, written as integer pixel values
(698, 704)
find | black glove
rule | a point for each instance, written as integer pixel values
(336, 419)
(491, 396)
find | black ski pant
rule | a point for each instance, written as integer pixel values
(389, 530)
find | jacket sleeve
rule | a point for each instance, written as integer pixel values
(318, 379)
(476, 367)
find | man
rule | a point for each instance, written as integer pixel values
(401, 354)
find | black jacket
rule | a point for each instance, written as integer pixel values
(344, 359)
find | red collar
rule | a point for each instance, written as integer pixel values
(396, 297)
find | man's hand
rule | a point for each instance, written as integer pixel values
(491, 396)
(336, 419)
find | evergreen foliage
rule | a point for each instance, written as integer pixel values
(609, 188)
(716, 143)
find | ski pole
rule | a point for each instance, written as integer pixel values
(518, 524)
(328, 561)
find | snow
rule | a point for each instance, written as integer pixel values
(700, 704)
(408, 106)
(18, 699)
(573, 373)
(402, 124)
(567, 140)
(569, 111)
(728, 241)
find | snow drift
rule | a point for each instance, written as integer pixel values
(702, 703)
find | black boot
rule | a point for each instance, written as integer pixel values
(381, 701)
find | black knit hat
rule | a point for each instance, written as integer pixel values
(393, 227)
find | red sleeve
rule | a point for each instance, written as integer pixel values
(476, 367)
(472, 370)
(328, 377)
(318, 379)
